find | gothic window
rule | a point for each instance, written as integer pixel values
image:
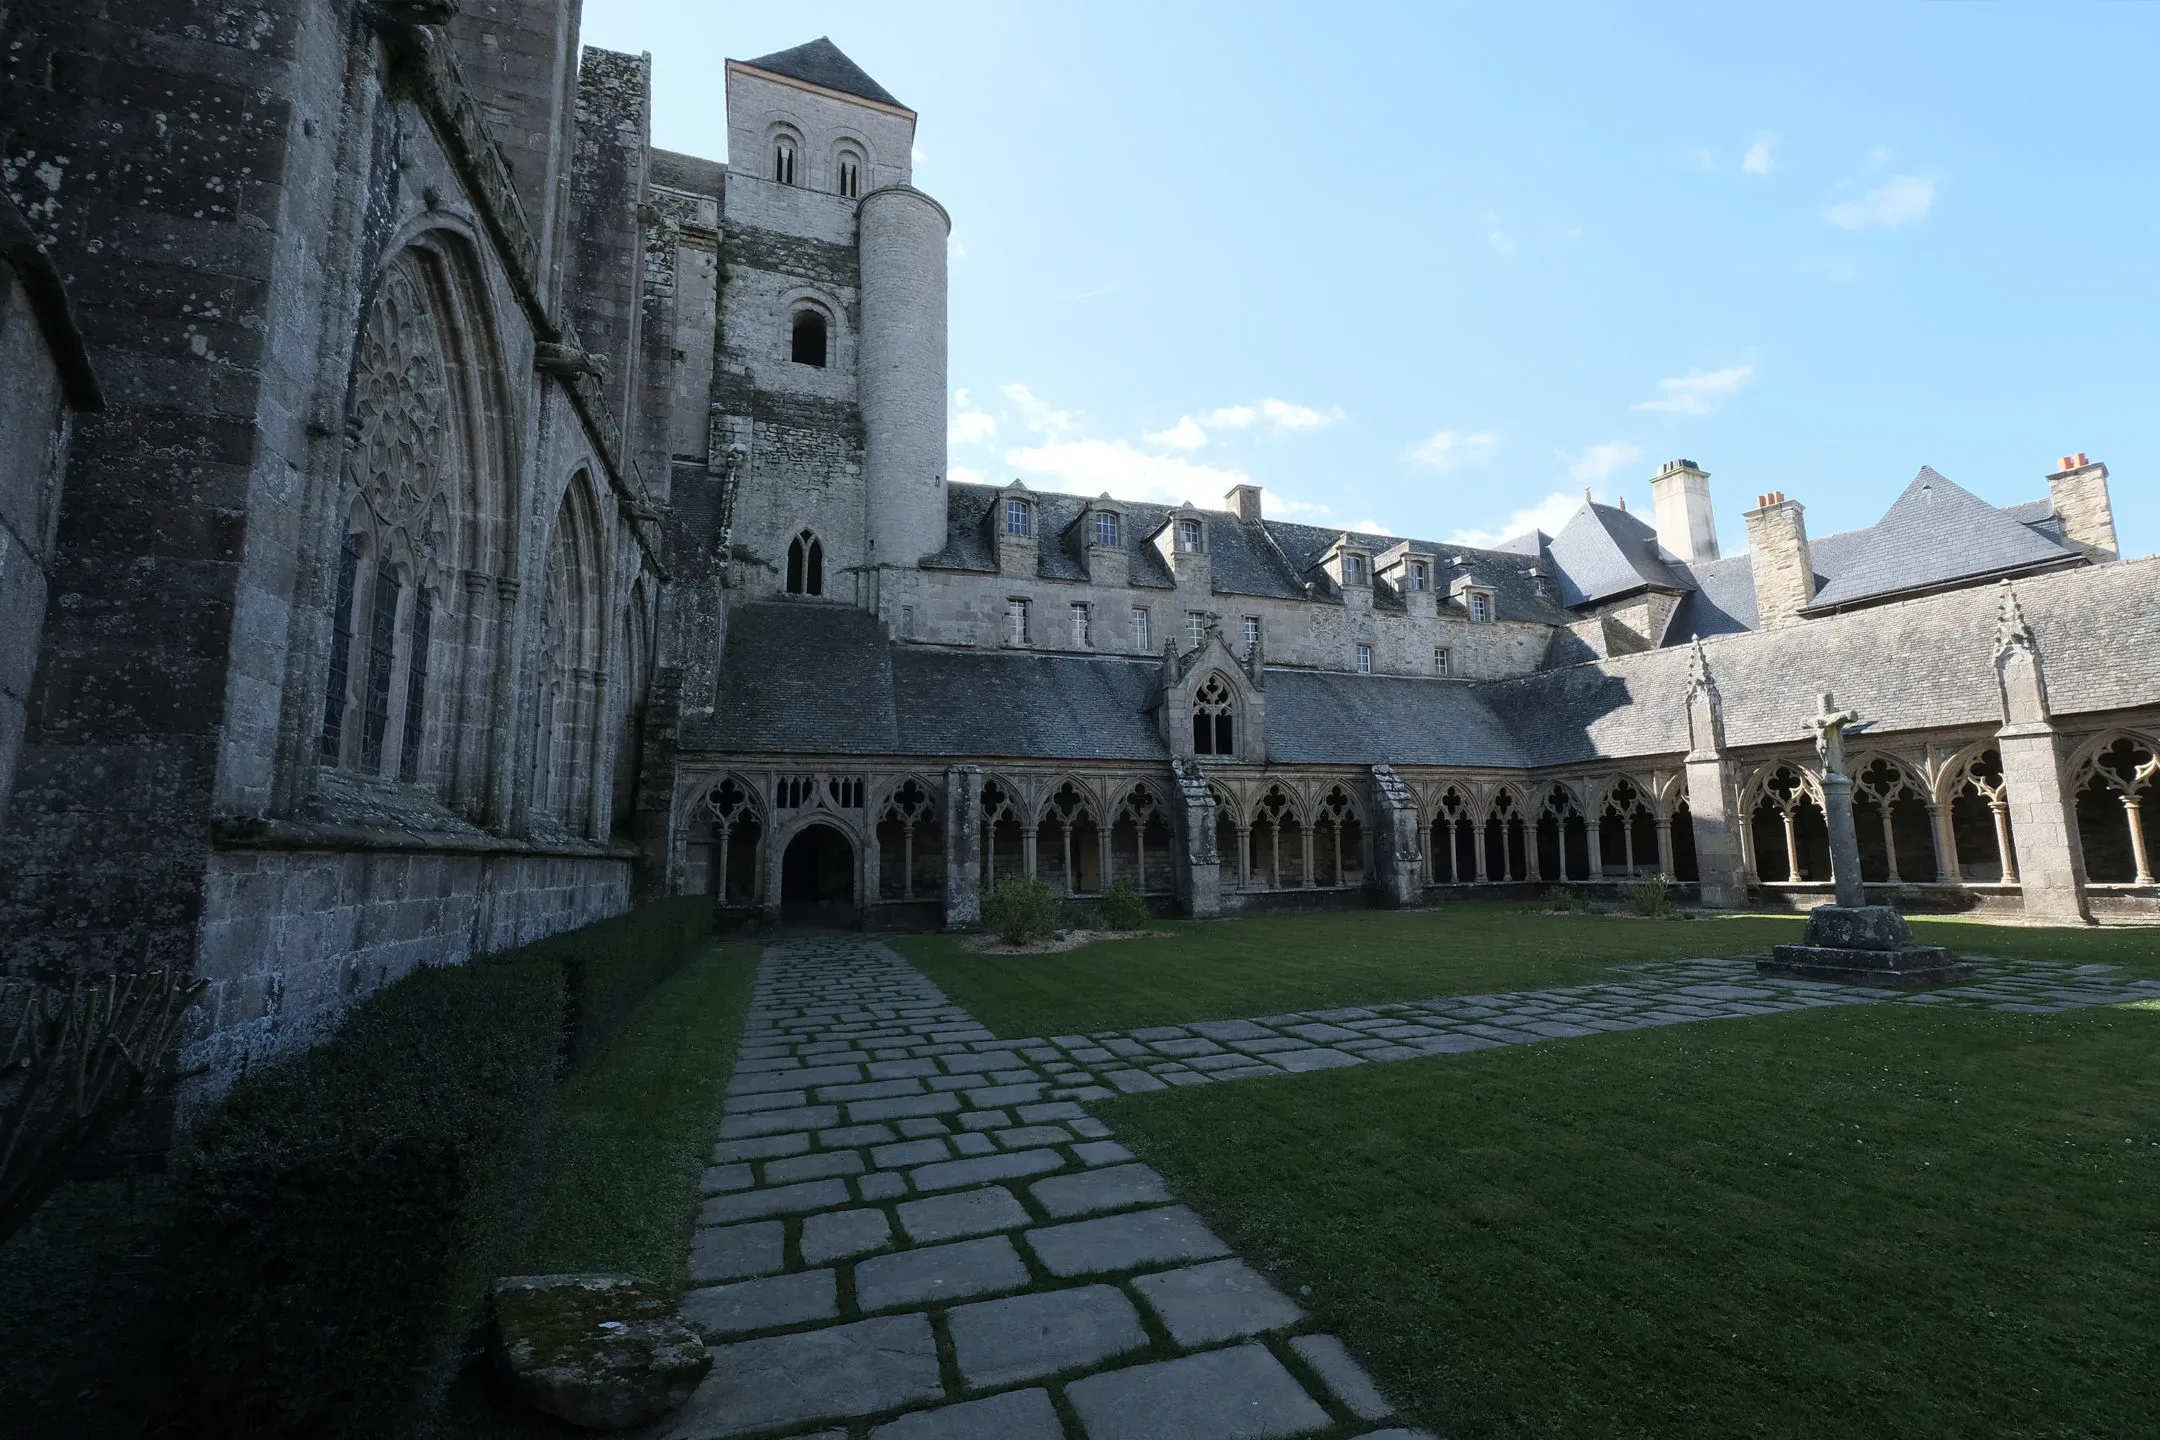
(1442, 662)
(795, 792)
(911, 846)
(1364, 659)
(805, 565)
(568, 681)
(1252, 633)
(1563, 841)
(1019, 519)
(845, 791)
(807, 339)
(1506, 840)
(1196, 623)
(1213, 723)
(849, 175)
(1338, 840)
(1276, 843)
(1892, 823)
(1004, 835)
(1188, 537)
(2114, 829)
(1786, 829)
(417, 512)
(1079, 622)
(1981, 848)
(1453, 851)
(1627, 832)
(1016, 621)
(1139, 828)
(784, 160)
(1073, 841)
(1420, 577)
(1142, 639)
(730, 856)
(1106, 529)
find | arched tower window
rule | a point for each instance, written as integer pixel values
(805, 565)
(1213, 726)
(808, 339)
(784, 160)
(848, 175)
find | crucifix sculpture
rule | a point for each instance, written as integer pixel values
(1829, 727)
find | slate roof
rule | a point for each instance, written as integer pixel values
(1603, 553)
(821, 63)
(1920, 663)
(1271, 558)
(1935, 533)
(1322, 717)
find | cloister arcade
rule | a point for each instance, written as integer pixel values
(1933, 816)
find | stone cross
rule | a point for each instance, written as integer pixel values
(1829, 727)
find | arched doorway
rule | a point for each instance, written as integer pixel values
(817, 877)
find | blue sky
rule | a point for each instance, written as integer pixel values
(1434, 269)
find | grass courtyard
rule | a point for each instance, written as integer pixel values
(1230, 969)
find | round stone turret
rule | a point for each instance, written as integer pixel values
(902, 372)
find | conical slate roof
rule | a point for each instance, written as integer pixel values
(821, 63)
(1937, 532)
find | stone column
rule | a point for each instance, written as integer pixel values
(963, 847)
(2003, 851)
(1844, 839)
(1593, 844)
(1947, 870)
(1889, 841)
(2132, 814)
(1664, 845)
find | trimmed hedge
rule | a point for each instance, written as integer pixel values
(340, 1213)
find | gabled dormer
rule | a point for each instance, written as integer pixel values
(1213, 708)
(1182, 541)
(1100, 538)
(1478, 601)
(1011, 526)
(1412, 572)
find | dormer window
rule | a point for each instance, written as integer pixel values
(1019, 519)
(1420, 577)
(850, 176)
(1353, 569)
(807, 339)
(1106, 529)
(784, 160)
(1187, 538)
(1481, 607)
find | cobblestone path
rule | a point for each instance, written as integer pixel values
(910, 1235)
(913, 1231)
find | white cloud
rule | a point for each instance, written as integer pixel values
(1448, 450)
(962, 475)
(1230, 417)
(1285, 416)
(1759, 160)
(1037, 413)
(1281, 507)
(1089, 467)
(1596, 465)
(1185, 435)
(1370, 527)
(1547, 515)
(1697, 392)
(970, 427)
(1892, 205)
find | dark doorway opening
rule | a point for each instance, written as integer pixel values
(817, 878)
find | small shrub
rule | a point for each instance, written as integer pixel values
(1563, 898)
(1650, 898)
(1122, 907)
(1021, 909)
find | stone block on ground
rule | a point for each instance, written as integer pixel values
(999, 1342)
(748, 1306)
(1143, 1238)
(1008, 1165)
(1116, 1188)
(1018, 1415)
(938, 1273)
(1331, 1361)
(844, 1234)
(970, 1212)
(777, 1200)
(1857, 927)
(836, 1373)
(730, 1252)
(605, 1352)
(1242, 1393)
(1221, 1300)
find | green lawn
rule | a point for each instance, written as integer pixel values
(1229, 969)
(1884, 1221)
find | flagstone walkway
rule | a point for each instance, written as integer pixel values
(914, 1231)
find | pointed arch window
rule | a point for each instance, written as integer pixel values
(1214, 719)
(806, 565)
(807, 339)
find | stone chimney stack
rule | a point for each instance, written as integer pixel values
(1244, 501)
(2079, 490)
(1784, 569)
(1684, 523)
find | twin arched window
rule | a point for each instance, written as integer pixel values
(784, 159)
(1213, 723)
(805, 565)
(847, 175)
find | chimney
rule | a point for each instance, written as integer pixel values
(1244, 501)
(1784, 569)
(1684, 524)
(2078, 488)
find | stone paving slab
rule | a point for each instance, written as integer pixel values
(940, 1273)
(1242, 1393)
(748, 1306)
(969, 1212)
(1221, 1300)
(1000, 1342)
(1330, 1360)
(836, 1373)
(1124, 1242)
(1016, 1415)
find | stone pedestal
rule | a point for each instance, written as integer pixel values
(1865, 944)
